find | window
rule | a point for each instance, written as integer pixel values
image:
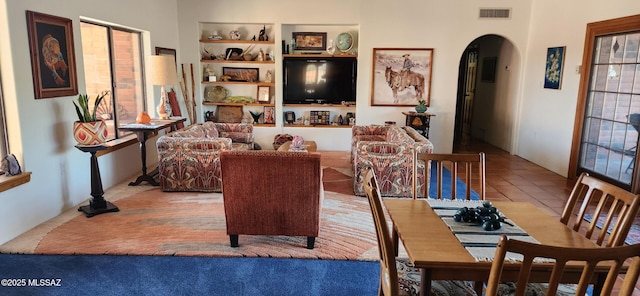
(608, 115)
(113, 62)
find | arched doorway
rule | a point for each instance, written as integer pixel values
(487, 90)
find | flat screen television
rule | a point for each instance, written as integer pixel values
(327, 80)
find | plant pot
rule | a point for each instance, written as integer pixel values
(421, 108)
(90, 133)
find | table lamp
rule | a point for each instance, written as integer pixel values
(163, 72)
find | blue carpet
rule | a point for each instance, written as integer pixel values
(446, 189)
(166, 275)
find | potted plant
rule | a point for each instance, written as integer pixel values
(421, 107)
(89, 130)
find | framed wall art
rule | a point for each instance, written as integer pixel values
(269, 114)
(553, 68)
(401, 76)
(310, 40)
(264, 94)
(53, 63)
(241, 74)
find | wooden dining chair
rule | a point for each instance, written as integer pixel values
(610, 209)
(469, 168)
(561, 255)
(397, 276)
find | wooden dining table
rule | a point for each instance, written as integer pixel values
(433, 248)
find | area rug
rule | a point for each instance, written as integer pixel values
(153, 222)
(633, 237)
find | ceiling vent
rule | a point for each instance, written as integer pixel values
(495, 13)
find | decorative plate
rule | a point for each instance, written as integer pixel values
(344, 41)
(215, 93)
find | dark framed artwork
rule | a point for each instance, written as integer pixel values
(229, 114)
(401, 76)
(310, 40)
(241, 74)
(53, 63)
(553, 68)
(488, 73)
(167, 51)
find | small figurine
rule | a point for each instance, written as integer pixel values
(297, 142)
(269, 76)
(260, 57)
(263, 34)
(234, 35)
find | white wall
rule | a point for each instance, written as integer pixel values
(546, 115)
(40, 130)
(448, 27)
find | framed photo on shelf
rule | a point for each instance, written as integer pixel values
(264, 94)
(401, 76)
(230, 114)
(553, 68)
(310, 40)
(269, 114)
(241, 74)
(53, 63)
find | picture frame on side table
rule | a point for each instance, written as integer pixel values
(310, 40)
(241, 74)
(264, 94)
(53, 63)
(553, 68)
(269, 115)
(401, 76)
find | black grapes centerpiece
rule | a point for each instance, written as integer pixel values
(486, 215)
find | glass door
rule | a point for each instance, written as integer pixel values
(611, 117)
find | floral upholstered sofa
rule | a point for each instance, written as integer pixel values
(188, 159)
(390, 151)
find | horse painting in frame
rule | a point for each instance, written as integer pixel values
(401, 76)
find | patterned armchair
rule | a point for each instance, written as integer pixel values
(188, 159)
(390, 152)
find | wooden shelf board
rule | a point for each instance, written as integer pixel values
(319, 55)
(206, 103)
(236, 41)
(262, 83)
(318, 126)
(321, 105)
(236, 62)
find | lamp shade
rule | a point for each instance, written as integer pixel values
(163, 70)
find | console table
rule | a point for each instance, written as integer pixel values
(97, 204)
(419, 121)
(144, 132)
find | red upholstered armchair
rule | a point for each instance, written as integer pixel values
(270, 192)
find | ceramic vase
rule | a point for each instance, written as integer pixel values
(90, 133)
(297, 142)
(421, 108)
(330, 48)
(143, 118)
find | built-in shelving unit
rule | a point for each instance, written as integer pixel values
(214, 58)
